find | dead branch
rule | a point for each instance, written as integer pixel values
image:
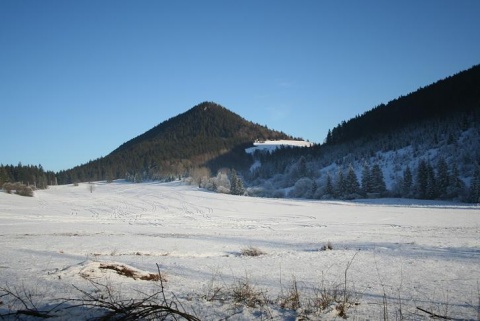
(434, 315)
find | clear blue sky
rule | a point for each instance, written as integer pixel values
(79, 78)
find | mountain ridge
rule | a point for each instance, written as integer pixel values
(207, 135)
(455, 93)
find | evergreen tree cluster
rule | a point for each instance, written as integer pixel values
(427, 154)
(347, 185)
(426, 181)
(28, 175)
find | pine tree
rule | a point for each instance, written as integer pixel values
(474, 196)
(407, 182)
(366, 179)
(443, 180)
(329, 190)
(351, 182)
(109, 175)
(457, 186)
(422, 179)
(302, 167)
(340, 184)
(236, 185)
(431, 183)
(314, 188)
(3, 176)
(328, 139)
(378, 183)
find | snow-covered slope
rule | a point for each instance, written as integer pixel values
(395, 255)
(453, 141)
(271, 145)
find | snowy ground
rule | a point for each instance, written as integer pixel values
(397, 254)
(271, 145)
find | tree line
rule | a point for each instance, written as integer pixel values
(457, 93)
(30, 175)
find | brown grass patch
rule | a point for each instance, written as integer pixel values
(132, 273)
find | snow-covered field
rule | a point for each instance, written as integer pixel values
(397, 255)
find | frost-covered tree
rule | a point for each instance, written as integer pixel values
(443, 179)
(340, 187)
(407, 182)
(431, 183)
(422, 180)
(378, 182)
(236, 184)
(314, 188)
(302, 188)
(351, 182)
(366, 179)
(302, 167)
(221, 182)
(329, 189)
(456, 189)
(474, 195)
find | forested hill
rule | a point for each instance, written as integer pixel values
(457, 93)
(201, 128)
(207, 135)
(423, 145)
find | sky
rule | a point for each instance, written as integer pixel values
(79, 78)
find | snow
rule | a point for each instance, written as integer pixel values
(410, 253)
(271, 145)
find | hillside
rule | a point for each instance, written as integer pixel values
(207, 135)
(454, 94)
(424, 145)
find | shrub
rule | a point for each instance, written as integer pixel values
(243, 292)
(327, 246)
(8, 187)
(251, 251)
(25, 191)
(291, 300)
(19, 188)
(112, 305)
(303, 188)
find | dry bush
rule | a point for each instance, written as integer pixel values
(324, 298)
(25, 191)
(24, 302)
(213, 291)
(19, 188)
(327, 247)
(291, 300)
(243, 292)
(151, 307)
(103, 300)
(8, 187)
(251, 251)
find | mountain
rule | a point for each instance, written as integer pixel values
(423, 145)
(207, 135)
(454, 94)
